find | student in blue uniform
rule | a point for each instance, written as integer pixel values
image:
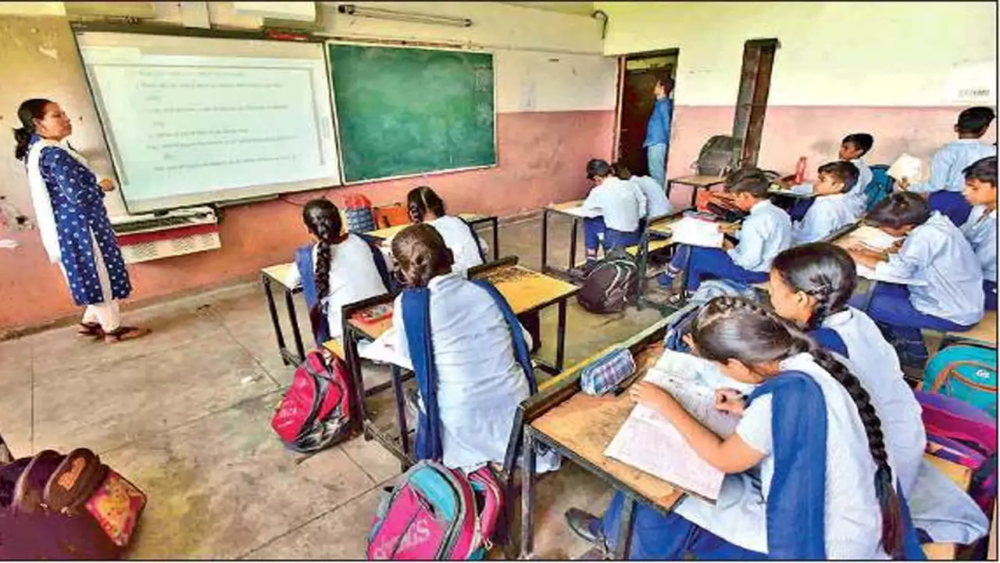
(425, 206)
(981, 227)
(833, 207)
(657, 204)
(810, 286)
(853, 148)
(469, 354)
(622, 205)
(946, 291)
(339, 269)
(809, 440)
(946, 182)
(765, 232)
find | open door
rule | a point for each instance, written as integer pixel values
(751, 102)
(636, 104)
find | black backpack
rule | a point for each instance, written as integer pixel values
(611, 284)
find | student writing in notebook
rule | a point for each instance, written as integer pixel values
(981, 227)
(339, 269)
(622, 205)
(822, 485)
(833, 207)
(946, 181)
(468, 248)
(810, 286)
(946, 291)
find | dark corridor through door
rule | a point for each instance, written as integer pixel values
(637, 103)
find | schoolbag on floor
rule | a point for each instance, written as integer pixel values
(55, 506)
(965, 372)
(436, 513)
(963, 434)
(611, 285)
(315, 411)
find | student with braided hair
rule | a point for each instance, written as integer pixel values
(339, 269)
(810, 286)
(809, 429)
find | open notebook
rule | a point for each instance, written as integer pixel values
(650, 443)
(696, 232)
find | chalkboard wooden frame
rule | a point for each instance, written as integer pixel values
(394, 44)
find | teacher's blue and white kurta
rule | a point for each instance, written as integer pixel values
(81, 220)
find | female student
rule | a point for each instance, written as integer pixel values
(72, 219)
(981, 227)
(809, 427)
(468, 351)
(946, 293)
(425, 206)
(339, 269)
(810, 286)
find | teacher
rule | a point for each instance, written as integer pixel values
(658, 131)
(72, 219)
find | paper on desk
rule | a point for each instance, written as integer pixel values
(584, 212)
(383, 350)
(906, 166)
(689, 230)
(873, 238)
(870, 274)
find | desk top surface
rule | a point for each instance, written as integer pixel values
(525, 290)
(390, 232)
(565, 205)
(698, 180)
(278, 273)
(586, 425)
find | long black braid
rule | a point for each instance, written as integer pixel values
(823, 270)
(734, 328)
(322, 218)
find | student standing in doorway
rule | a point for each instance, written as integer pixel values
(658, 131)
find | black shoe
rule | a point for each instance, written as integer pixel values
(587, 526)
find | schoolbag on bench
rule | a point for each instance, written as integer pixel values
(436, 513)
(611, 285)
(966, 372)
(55, 506)
(315, 412)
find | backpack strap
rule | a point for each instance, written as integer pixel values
(475, 239)
(416, 309)
(521, 351)
(829, 339)
(380, 265)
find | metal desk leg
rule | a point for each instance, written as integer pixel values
(496, 239)
(694, 195)
(687, 270)
(354, 366)
(561, 336)
(295, 326)
(545, 239)
(572, 244)
(404, 436)
(670, 185)
(625, 526)
(528, 495)
(274, 318)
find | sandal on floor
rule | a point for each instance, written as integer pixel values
(124, 333)
(90, 329)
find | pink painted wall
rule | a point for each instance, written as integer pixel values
(815, 132)
(541, 160)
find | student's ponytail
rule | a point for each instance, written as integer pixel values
(822, 270)
(322, 218)
(27, 113)
(734, 328)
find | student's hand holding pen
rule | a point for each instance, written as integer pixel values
(652, 396)
(729, 400)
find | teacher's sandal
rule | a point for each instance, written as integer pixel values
(124, 333)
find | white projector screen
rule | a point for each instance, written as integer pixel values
(193, 120)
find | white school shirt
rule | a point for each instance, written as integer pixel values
(875, 362)
(657, 203)
(981, 232)
(480, 383)
(353, 277)
(827, 214)
(938, 254)
(948, 162)
(621, 203)
(765, 233)
(459, 238)
(857, 194)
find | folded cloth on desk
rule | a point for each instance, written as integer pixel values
(607, 372)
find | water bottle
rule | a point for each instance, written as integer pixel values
(800, 170)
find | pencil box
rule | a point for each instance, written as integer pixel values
(607, 372)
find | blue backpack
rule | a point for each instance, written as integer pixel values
(967, 373)
(880, 186)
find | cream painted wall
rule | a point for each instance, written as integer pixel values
(533, 81)
(832, 53)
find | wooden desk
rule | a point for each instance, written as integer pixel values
(472, 219)
(984, 333)
(580, 427)
(560, 209)
(696, 182)
(275, 276)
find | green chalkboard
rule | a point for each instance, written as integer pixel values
(407, 111)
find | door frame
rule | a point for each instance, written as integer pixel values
(620, 92)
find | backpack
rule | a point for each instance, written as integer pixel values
(718, 156)
(880, 186)
(55, 506)
(611, 284)
(673, 339)
(358, 212)
(965, 372)
(963, 434)
(436, 513)
(315, 412)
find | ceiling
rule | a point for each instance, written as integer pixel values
(577, 8)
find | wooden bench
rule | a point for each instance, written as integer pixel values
(985, 332)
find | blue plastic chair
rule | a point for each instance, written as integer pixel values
(880, 187)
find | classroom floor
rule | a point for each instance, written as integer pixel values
(185, 414)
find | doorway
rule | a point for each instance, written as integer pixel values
(640, 72)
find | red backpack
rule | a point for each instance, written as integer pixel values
(315, 411)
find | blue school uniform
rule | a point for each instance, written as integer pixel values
(826, 215)
(946, 180)
(81, 219)
(981, 231)
(623, 207)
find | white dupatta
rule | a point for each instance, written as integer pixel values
(44, 216)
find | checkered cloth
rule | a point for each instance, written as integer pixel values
(605, 373)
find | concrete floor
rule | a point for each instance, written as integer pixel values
(185, 414)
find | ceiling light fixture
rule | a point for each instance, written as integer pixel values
(383, 14)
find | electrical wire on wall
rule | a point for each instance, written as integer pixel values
(601, 15)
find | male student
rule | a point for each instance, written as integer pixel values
(622, 206)
(833, 207)
(946, 181)
(658, 131)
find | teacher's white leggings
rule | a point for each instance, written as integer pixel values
(107, 314)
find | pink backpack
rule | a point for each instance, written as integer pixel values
(436, 513)
(315, 411)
